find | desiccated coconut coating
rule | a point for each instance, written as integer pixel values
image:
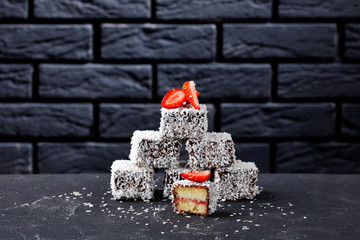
(149, 149)
(214, 150)
(238, 181)
(213, 192)
(172, 175)
(184, 122)
(129, 181)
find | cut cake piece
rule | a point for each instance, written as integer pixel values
(238, 181)
(214, 150)
(129, 181)
(184, 122)
(172, 175)
(195, 198)
(149, 149)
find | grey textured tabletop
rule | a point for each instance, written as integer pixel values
(80, 206)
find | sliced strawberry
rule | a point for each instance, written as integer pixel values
(191, 94)
(197, 176)
(173, 99)
(197, 94)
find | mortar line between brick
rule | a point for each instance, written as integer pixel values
(35, 162)
(343, 139)
(153, 10)
(30, 9)
(275, 10)
(156, 101)
(51, 21)
(169, 61)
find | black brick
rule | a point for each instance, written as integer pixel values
(15, 158)
(294, 9)
(92, 9)
(213, 9)
(46, 42)
(13, 8)
(284, 41)
(278, 120)
(91, 81)
(318, 157)
(15, 81)
(121, 120)
(352, 41)
(351, 119)
(254, 152)
(80, 157)
(318, 81)
(157, 41)
(45, 120)
(218, 81)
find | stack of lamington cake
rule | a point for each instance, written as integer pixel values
(232, 179)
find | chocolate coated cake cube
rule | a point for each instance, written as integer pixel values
(238, 181)
(184, 122)
(129, 181)
(214, 150)
(149, 149)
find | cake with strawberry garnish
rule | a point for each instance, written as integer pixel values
(129, 181)
(237, 181)
(182, 117)
(149, 149)
(195, 195)
(184, 120)
(214, 150)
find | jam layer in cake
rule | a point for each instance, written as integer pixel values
(195, 198)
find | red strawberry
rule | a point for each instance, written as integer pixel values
(197, 176)
(191, 94)
(197, 94)
(173, 99)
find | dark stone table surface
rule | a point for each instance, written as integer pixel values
(80, 206)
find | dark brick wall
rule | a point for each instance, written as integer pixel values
(78, 77)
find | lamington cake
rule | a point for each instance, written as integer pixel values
(238, 181)
(214, 150)
(184, 122)
(148, 148)
(129, 181)
(172, 175)
(196, 198)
